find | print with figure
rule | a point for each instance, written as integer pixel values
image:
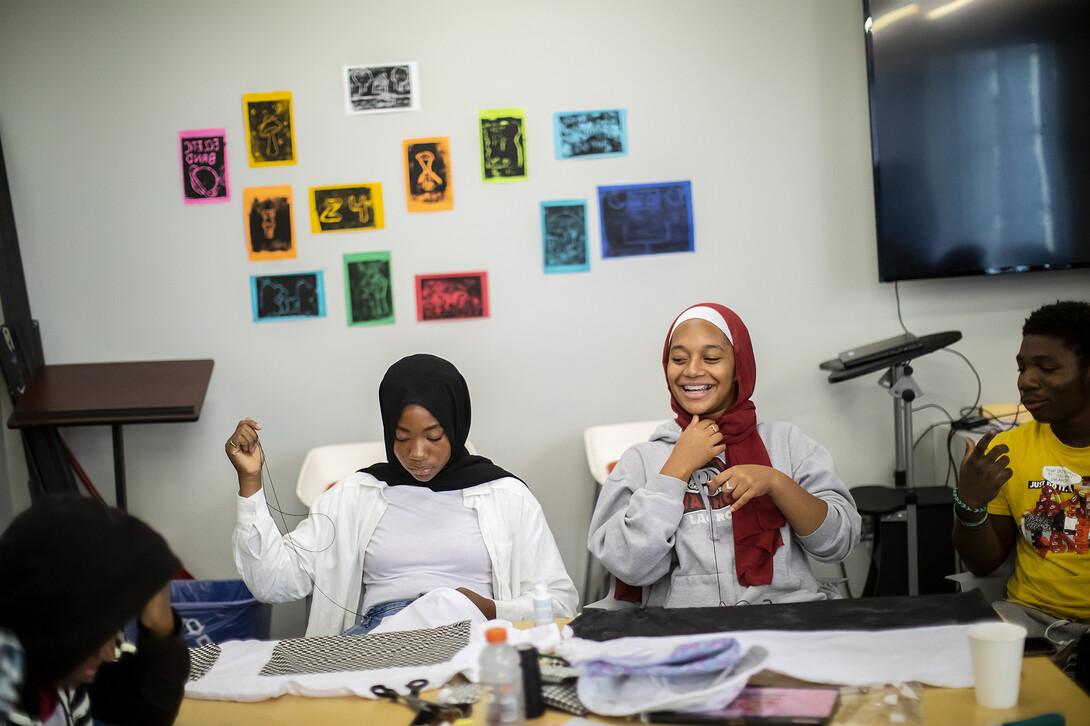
(452, 296)
(381, 88)
(368, 292)
(270, 128)
(503, 144)
(427, 174)
(269, 223)
(564, 236)
(287, 297)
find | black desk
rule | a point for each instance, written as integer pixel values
(885, 508)
(114, 394)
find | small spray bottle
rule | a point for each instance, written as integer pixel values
(543, 605)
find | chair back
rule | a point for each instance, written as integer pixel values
(324, 466)
(606, 443)
(992, 586)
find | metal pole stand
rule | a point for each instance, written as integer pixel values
(898, 380)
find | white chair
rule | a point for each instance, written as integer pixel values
(604, 446)
(324, 466)
(992, 586)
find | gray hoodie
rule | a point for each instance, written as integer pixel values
(673, 539)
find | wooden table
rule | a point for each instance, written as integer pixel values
(1044, 689)
(114, 394)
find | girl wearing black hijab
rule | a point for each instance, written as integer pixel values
(432, 515)
(73, 572)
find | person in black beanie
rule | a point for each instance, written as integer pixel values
(73, 572)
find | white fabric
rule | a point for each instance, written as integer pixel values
(442, 606)
(234, 676)
(411, 551)
(700, 312)
(325, 552)
(938, 655)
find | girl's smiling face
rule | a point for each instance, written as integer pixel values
(700, 369)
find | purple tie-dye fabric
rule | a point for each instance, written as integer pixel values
(707, 656)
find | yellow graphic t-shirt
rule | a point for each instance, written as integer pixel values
(1047, 497)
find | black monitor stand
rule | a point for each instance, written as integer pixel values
(904, 390)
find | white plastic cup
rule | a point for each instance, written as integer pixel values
(996, 650)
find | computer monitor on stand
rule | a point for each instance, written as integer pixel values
(894, 355)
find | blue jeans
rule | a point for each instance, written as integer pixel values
(376, 613)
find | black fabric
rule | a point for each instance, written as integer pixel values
(1082, 662)
(434, 383)
(73, 572)
(876, 613)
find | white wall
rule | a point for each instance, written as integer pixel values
(761, 104)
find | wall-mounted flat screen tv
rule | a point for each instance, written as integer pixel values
(980, 134)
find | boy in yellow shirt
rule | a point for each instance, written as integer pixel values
(1027, 488)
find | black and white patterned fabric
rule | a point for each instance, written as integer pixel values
(562, 697)
(372, 651)
(558, 685)
(202, 659)
(460, 694)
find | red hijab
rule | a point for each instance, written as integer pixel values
(757, 525)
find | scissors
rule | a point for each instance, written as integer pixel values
(427, 712)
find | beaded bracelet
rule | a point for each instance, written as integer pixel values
(963, 505)
(970, 525)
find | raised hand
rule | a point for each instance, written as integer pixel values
(244, 452)
(698, 444)
(157, 616)
(983, 472)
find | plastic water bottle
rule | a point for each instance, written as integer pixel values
(543, 605)
(501, 681)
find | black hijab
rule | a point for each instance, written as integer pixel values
(73, 571)
(435, 384)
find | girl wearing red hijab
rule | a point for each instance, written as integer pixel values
(719, 508)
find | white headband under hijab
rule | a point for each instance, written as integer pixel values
(699, 312)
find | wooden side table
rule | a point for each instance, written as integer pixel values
(114, 394)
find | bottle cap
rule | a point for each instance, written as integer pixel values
(495, 635)
(541, 592)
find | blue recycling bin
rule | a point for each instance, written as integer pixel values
(213, 611)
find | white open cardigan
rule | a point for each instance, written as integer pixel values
(325, 552)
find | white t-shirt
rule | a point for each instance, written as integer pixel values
(424, 540)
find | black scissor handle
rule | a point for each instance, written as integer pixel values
(384, 692)
(417, 685)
